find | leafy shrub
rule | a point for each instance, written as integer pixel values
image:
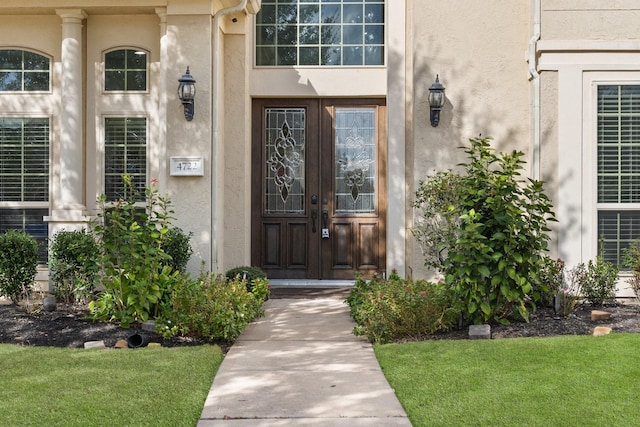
(176, 244)
(248, 273)
(74, 265)
(486, 231)
(632, 260)
(551, 277)
(213, 308)
(137, 279)
(596, 280)
(387, 310)
(251, 273)
(18, 264)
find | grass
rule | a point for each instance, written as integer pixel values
(559, 381)
(76, 387)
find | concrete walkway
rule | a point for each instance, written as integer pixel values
(300, 365)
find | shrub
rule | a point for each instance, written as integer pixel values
(596, 280)
(551, 281)
(489, 232)
(213, 308)
(387, 310)
(176, 244)
(251, 273)
(74, 265)
(18, 264)
(248, 273)
(137, 279)
(632, 260)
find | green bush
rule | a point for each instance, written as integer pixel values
(136, 277)
(74, 265)
(393, 309)
(251, 273)
(176, 244)
(551, 279)
(248, 273)
(596, 280)
(632, 260)
(486, 231)
(213, 307)
(18, 264)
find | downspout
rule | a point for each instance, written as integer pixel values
(535, 92)
(215, 108)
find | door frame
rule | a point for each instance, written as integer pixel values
(319, 126)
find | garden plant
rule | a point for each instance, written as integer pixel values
(485, 229)
(18, 264)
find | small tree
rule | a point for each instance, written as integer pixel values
(136, 274)
(486, 231)
(18, 264)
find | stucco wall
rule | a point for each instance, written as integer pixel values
(479, 56)
(590, 19)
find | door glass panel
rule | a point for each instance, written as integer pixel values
(284, 145)
(355, 160)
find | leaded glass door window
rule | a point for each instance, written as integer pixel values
(318, 188)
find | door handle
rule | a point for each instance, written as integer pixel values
(325, 228)
(314, 217)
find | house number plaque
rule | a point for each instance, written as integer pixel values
(186, 166)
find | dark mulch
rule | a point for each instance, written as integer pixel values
(69, 326)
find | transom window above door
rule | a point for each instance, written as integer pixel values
(320, 33)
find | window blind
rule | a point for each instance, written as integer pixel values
(125, 154)
(24, 159)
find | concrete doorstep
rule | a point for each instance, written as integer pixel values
(301, 365)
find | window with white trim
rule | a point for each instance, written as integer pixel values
(320, 33)
(23, 71)
(125, 154)
(24, 177)
(618, 168)
(125, 70)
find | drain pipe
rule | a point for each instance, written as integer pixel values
(534, 76)
(215, 139)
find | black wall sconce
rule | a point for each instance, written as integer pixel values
(436, 101)
(187, 93)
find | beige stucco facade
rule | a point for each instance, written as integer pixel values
(521, 71)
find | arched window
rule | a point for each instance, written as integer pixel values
(125, 70)
(24, 71)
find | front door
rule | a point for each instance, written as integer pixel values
(319, 188)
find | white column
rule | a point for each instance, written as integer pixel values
(71, 117)
(67, 204)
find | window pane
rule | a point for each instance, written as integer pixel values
(355, 153)
(125, 153)
(30, 221)
(284, 151)
(10, 59)
(617, 230)
(341, 22)
(23, 71)
(125, 70)
(618, 166)
(24, 160)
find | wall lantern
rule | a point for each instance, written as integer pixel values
(436, 101)
(187, 93)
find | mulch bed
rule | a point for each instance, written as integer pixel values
(68, 325)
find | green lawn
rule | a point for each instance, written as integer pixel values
(41, 386)
(560, 381)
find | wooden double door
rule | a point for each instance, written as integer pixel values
(319, 187)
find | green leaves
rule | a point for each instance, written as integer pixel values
(485, 229)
